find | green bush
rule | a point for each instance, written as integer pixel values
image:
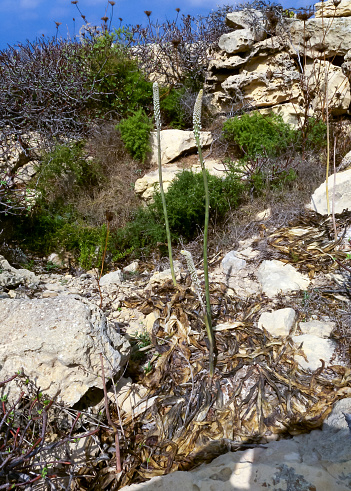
(254, 134)
(312, 135)
(185, 200)
(115, 75)
(135, 132)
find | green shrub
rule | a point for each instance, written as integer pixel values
(115, 75)
(135, 133)
(172, 108)
(254, 134)
(312, 135)
(185, 200)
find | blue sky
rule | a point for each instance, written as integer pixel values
(27, 19)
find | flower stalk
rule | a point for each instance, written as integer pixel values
(157, 111)
(208, 315)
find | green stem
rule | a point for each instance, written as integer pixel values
(165, 207)
(208, 315)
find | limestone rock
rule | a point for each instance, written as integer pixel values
(329, 9)
(322, 329)
(175, 142)
(346, 161)
(316, 349)
(336, 39)
(113, 278)
(238, 41)
(12, 277)
(145, 186)
(339, 96)
(57, 342)
(231, 263)
(275, 276)
(132, 267)
(278, 323)
(342, 194)
(292, 114)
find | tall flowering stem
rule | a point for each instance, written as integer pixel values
(208, 315)
(157, 112)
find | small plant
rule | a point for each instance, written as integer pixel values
(135, 132)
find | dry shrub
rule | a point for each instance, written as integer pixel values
(120, 172)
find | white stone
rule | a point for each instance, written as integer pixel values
(231, 263)
(174, 143)
(239, 41)
(322, 329)
(279, 322)
(342, 194)
(315, 348)
(10, 276)
(275, 277)
(132, 267)
(57, 342)
(113, 278)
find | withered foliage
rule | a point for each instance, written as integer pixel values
(259, 389)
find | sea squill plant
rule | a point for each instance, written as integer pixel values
(157, 111)
(208, 315)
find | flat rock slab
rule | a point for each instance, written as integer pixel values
(277, 277)
(57, 341)
(315, 349)
(279, 322)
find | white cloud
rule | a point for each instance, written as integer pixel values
(30, 4)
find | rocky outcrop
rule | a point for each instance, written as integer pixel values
(12, 277)
(57, 342)
(333, 8)
(258, 67)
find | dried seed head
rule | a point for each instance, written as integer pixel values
(175, 43)
(74, 2)
(304, 15)
(336, 3)
(58, 24)
(157, 111)
(321, 47)
(197, 115)
(178, 10)
(112, 3)
(105, 19)
(148, 12)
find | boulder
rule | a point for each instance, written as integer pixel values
(174, 143)
(330, 9)
(238, 41)
(292, 114)
(278, 323)
(57, 342)
(341, 195)
(12, 277)
(145, 186)
(277, 277)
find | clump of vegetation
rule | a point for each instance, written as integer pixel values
(135, 132)
(254, 134)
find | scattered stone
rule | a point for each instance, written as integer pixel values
(315, 349)
(132, 267)
(12, 277)
(264, 215)
(279, 322)
(113, 278)
(57, 342)
(275, 277)
(231, 263)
